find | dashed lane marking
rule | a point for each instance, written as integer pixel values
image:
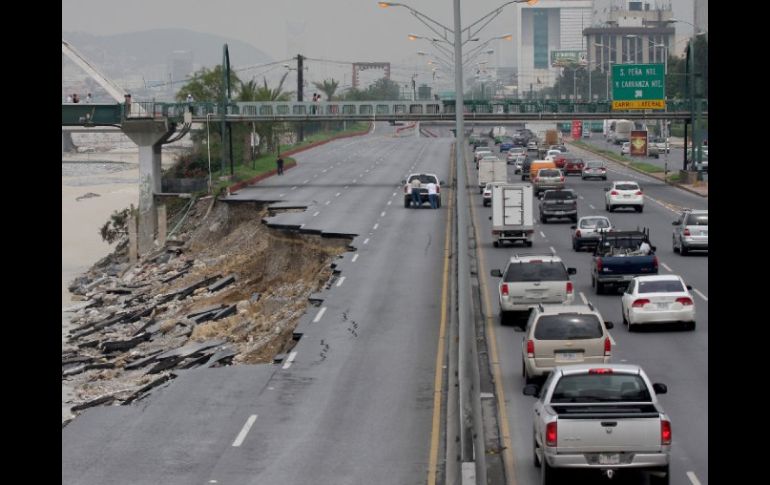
(665, 266)
(366, 241)
(552, 250)
(701, 294)
(592, 207)
(338, 194)
(355, 257)
(245, 430)
(316, 213)
(290, 360)
(583, 297)
(542, 234)
(693, 478)
(376, 226)
(382, 214)
(339, 283)
(320, 315)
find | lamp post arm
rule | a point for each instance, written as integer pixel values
(428, 22)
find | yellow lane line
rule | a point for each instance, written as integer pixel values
(438, 379)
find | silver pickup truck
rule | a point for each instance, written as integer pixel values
(603, 419)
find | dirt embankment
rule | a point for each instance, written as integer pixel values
(228, 290)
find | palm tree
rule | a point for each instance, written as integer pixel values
(251, 91)
(328, 87)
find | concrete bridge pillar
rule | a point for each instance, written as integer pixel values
(67, 145)
(149, 135)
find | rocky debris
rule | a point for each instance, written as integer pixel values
(174, 309)
(87, 196)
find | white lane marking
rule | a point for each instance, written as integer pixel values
(306, 181)
(612, 340)
(701, 294)
(316, 213)
(339, 283)
(366, 171)
(337, 194)
(320, 315)
(355, 257)
(382, 214)
(665, 266)
(366, 241)
(281, 195)
(580, 197)
(324, 170)
(583, 297)
(376, 226)
(390, 202)
(394, 194)
(693, 478)
(592, 207)
(542, 234)
(552, 249)
(328, 202)
(290, 360)
(294, 187)
(245, 430)
(354, 180)
(347, 186)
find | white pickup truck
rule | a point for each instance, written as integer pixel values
(424, 178)
(601, 417)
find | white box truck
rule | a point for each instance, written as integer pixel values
(492, 171)
(512, 213)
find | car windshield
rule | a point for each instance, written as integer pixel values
(594, 223)
(536, 271)
(559, 194)
(697, 220)
(548, 173)
(587, 388)
(568, 326)
(626, 187)
(660, 286)
(594, 164)
(424, 179)
(574, 160)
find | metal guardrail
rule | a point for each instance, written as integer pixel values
(550, 110)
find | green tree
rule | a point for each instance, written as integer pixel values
(206, 85)
(252, 91)
(328, 87)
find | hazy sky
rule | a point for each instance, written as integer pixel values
(335, 29)
(340, 30)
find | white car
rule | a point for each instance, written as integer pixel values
(486, 196)
(550, 154)
(626, 148)
(624, 194)
(532, 145)
(658, 299)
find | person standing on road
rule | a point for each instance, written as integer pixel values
(415, 183)
(279, 164)
(88, 98)
(432, 195)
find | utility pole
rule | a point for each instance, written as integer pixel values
(300, 83)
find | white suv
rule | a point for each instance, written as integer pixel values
(624, 194)
(563, 335)
(533, 279)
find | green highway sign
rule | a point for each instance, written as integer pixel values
(638, 84)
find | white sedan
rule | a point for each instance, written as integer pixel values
(658, 299)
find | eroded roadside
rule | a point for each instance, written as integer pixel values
(228, 290)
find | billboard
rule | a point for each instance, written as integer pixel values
(638, 141)
(577, 129)
(568, 58)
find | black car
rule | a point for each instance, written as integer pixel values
(560, 203)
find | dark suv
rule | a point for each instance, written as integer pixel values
(558, 203)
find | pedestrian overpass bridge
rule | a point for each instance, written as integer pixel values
(505, 110)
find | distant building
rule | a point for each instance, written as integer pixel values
(701, 15)
(540, 30)
(180, 67)
(637, 34)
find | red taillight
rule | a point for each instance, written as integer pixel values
(638, 192)
(614, 192)
(607, 346)
(665, 432)
(405, 189)
(655, 262)
(536, 179)
(640, 303)
(686, 232)
(530, 348)
(599, 264)
(684, 300)
(504, 289)
(438, 189)
(569, 287)
(577, 233)
(603, 169)
(550, 434)
(561, 179)
(600, 371)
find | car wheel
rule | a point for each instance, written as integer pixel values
(683, 250)
(623, 314)
(599, 288)
(574, 245)
(640, 209)
(542, 219)
(535, 459)
(407, 203)
(661, 480)
(574, 218)
(691, 325)
(673, 245)
(522, 177)
(496, 244)
(529, 244)
(504, 317)
(604, 178)
(438, 202)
